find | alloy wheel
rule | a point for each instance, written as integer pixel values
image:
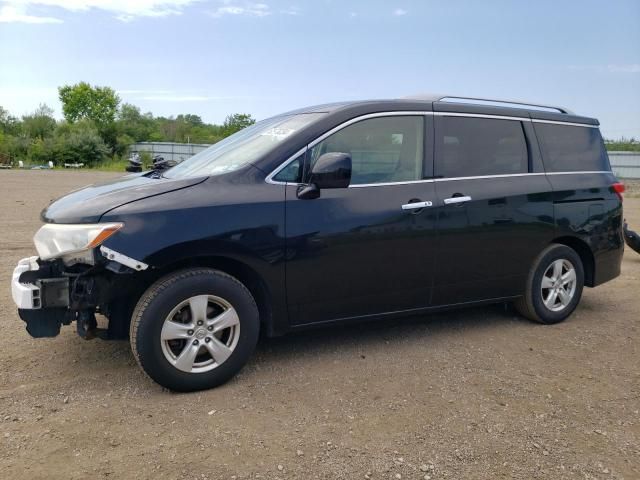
(200, 333)
(558, 285)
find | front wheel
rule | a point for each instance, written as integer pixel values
(554, 286)
(194, 329)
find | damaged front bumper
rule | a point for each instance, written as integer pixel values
(42, 297)
(49, 295)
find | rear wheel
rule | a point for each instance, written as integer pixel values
(554, 286)
(194, 329)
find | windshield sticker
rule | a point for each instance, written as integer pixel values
(277, 133)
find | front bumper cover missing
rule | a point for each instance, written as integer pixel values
(47, 297)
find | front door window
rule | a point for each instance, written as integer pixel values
(383, 149)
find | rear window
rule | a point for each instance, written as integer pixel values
(481, 146)
(568, 148)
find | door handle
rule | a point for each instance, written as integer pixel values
(416, 205)
(454, 200)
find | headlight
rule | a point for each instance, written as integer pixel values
(53, 240)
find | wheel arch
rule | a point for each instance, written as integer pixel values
(585, 253)
(247, 275)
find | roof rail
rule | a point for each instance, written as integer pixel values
(444, 98)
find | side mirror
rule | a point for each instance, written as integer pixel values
(331, 170)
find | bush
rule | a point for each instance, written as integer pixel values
(82, 144)
(123, 142)
(41, 151)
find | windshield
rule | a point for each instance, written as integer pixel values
(242, 147)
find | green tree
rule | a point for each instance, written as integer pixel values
(39, 124)
(8, 123)
(190, 119)
(14, 147)
(236, 122)
(83, 101)
(96, 126)
(123, 142)
(132, 123)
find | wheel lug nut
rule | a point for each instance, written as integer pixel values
(207, 340)
(210, 327)
(196, 342)
(200, 322)
(190, 332)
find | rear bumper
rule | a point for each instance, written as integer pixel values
(608, 265)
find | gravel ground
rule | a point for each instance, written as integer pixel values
(476, 393)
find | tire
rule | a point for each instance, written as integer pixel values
(217, 340)
(532, 305)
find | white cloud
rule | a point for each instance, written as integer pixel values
(124, 10)
(630, 68)
(294, 11)
(251, 9)
(13, 14)
(399, 12)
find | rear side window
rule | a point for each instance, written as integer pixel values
(568, 148)
(471, 147)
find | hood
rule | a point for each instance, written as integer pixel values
(89, 203)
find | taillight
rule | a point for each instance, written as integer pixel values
(618, 188)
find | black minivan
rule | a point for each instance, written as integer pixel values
(329, 214)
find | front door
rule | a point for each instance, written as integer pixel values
(365, 250)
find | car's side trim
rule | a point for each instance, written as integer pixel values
(269, 179)
(582, 172)
(569, 124)
(454, 179)
(398, 313)
(480, 115)
(386, 184)
(479, 177)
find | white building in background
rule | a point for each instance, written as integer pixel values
(625, 164)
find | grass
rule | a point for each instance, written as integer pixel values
(113, 165)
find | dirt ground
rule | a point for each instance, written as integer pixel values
(477, 393)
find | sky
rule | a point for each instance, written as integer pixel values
(217, 57)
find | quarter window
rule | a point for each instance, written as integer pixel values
(567, 148)
(383, 149)
(480, 146)
(292, 173)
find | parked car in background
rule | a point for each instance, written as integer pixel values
(330, 214)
